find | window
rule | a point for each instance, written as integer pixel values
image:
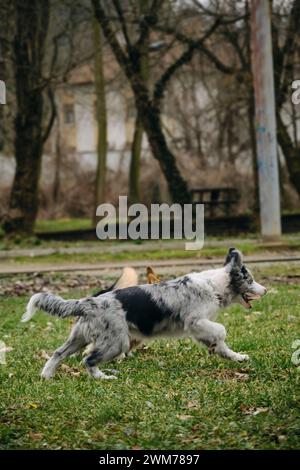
(69, 117)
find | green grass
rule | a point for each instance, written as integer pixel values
(62, 225)
(171, 396)
(156, 254)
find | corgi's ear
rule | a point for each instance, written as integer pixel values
(234, 257)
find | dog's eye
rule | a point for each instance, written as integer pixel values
(246, 275)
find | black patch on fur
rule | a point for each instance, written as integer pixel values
(239, 278)
(219, 299)
(229, 255)
(236, 280)
(184, 281)
(94, 358)
(104, 291)
(141, 309)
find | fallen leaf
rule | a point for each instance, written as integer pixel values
(252, 410)
(260, 410)
(71, 370)
(230, 374)
(42, 355)
(75, 374)
(32, 406)
(193, 404)
(35, 436)
(184, 417)
(241, 375)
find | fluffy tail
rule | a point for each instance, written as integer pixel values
(129, 278)
(53, 305)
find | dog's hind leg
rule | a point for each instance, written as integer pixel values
(103, 352)
(213, 335)
(74, 343)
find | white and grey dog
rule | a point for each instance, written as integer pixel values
(186, 306)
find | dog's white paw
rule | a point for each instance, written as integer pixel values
(47, 375)
(98, 374)
(241, 357)
(104, 376)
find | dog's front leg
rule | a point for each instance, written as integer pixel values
(213, 335)
(223, 350)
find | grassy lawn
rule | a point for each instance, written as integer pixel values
(173, 395)
(113, 252)
(62, 225)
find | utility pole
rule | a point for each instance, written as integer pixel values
(2, 92)
(263, 76)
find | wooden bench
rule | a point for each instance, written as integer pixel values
(223, 198)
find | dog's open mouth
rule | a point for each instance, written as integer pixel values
(248, 297)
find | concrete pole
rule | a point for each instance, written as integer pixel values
(262, 68)
(2, 92)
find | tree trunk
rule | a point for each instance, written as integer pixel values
(57, 168)
(251, 121)
(150, 117)
(148, 112)
(100, 189)
(136, 149)
(32, 19)
(135, 162)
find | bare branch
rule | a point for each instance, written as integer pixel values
(111, 37)
(53, 114)
(122, 22)
(199, 45)
(185, 57)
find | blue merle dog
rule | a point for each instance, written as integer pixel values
(186, 306)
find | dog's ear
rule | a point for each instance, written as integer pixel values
(234, 257)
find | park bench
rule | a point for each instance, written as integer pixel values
(223, 198)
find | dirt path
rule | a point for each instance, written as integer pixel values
(162, 265)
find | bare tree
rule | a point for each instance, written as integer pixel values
(148, 103)
(136, 148)
(32, 22)
(44, 48)
(286, 45)
(235, 32)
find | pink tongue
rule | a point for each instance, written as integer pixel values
(246, 303)
(253, 297)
